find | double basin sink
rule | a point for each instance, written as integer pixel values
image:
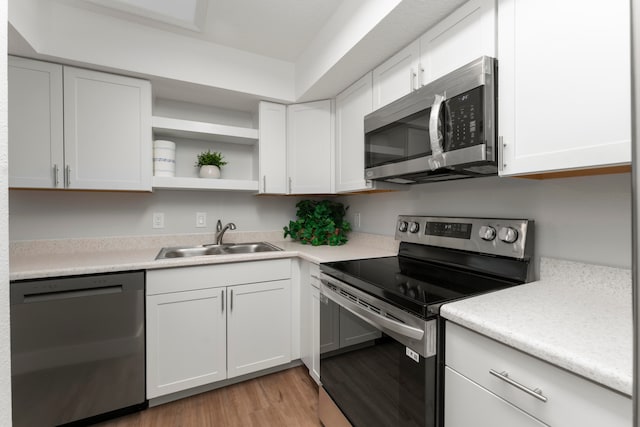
(222, 249)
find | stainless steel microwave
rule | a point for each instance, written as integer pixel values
(442, 131)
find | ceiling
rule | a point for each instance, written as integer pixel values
(278, 29)
(297, 34)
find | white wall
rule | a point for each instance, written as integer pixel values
(5, 335)
(585, 219)
(67, 214)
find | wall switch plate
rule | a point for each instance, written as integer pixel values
(201, 219)
(158, 220)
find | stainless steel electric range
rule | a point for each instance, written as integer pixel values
(386, 369)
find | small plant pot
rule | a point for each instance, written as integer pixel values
(210, 172)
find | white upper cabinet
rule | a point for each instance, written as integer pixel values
(107, 122)
(465, 35)
(273, 148)
(35, 124)
(102, 143)
(351, 107)
(564, 85)
(310, 148)
(397, 76)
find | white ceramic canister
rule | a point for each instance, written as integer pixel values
(164, 158)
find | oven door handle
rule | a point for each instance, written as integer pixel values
(372, 318)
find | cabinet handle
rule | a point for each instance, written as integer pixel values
(264, 183)
(421, 77)
(222, 299)
(290, 185)
(67, 176)
(501, 146)
(412, 80)
(56, 176)
(504, 376)
(231, 308)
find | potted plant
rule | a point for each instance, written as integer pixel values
(210, 163)
(319, 223)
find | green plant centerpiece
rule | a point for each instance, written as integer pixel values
(210, 163)
(319, 223)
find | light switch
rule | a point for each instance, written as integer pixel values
(201, 219)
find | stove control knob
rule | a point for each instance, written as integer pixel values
(508, 234)
(414, 227)
(402, 227)
(487, 233)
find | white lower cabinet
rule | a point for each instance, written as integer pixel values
(310, 318)
(259, 326)
(555, 397)
(186, 340)
(214, 322)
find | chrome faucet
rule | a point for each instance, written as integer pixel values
(221, 230)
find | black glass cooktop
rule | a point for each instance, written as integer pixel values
(418, 286)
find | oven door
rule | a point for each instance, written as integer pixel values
(372, 377)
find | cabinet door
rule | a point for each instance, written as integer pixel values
(564, 86)
(465, 35)
(314, 369)
(259, 326)
(306, 327)
(467, 404)
(397, 76)
(273, 148)
(351, 107)
(186, 340)
(35, 124)
(107, 122)
(310, 148)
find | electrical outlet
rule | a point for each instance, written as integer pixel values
(201, 219)
(356, 220)
(158, 220)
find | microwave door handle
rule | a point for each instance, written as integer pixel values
(437, 156)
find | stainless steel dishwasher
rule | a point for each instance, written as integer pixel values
(77, 348)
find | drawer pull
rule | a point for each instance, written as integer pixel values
(504, 376)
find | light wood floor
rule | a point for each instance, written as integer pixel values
(287, 398)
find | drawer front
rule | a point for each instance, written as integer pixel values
(571, 400)
(211, 276)
(467, 404)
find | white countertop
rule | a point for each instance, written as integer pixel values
(577, 316)
(33, 260)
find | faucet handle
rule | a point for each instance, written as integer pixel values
(219, 226)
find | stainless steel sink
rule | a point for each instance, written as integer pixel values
(224, 249)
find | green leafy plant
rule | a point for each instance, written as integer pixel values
(207, 158)
(319, 223)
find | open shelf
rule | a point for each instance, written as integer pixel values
(181, 183)
(179, 128)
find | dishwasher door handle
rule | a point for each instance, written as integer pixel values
(67, 294)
